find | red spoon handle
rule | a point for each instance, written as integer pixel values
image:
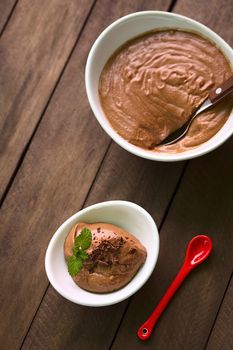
(145, 330)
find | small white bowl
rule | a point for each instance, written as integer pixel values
(115, 36)
(127, 215)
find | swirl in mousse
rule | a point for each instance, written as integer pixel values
(152, 84)
(114, 257)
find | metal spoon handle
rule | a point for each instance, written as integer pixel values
(214, 97)
(144, 332)
(222, 90)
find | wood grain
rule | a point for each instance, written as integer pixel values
(222, 334)
(33, 49)
(202, 205)
(68, 165)
(120, 174)
(118, 177)
(217, 15)
(51, 184)
(49, 187)
(6, 7)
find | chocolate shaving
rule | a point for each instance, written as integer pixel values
(106, 253)
(103, 263)
(132, 250)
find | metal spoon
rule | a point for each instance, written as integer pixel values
(214, 97)
(199, 248)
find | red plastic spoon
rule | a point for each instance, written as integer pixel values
(199, 248)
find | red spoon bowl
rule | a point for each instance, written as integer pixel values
(199, 248)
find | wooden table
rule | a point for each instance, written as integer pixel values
(56, 159)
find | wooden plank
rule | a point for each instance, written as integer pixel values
(202, 205)
(216, 15)
(222, 334)
(67, 324)
(33, 50)
(51, 184)
(61, 156)
(6, 7)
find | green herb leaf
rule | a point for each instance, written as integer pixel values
(81, 243)
(82, 255)
(83, 240)
(74, 265)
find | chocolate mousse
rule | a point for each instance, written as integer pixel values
(153, 83)
(114, 257)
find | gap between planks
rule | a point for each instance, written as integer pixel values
(8, 18)
(217, 313)
(172, 5)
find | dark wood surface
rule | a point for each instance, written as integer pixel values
(55, 159)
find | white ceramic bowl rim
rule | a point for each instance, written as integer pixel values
(86, 298)
(184, 22)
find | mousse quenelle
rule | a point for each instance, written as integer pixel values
(102, 257)
(153, 83)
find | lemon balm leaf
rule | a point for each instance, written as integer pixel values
(83, 240)
(81, 243)
(74, 265)
(82, 255)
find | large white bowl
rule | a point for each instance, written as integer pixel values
(127, 215)
(125, 29)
